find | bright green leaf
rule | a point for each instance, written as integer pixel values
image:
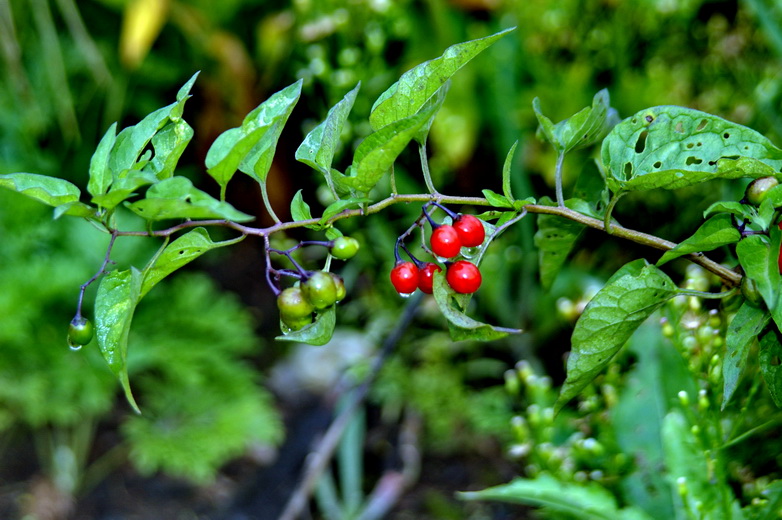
(300, 210)
(629, 297)
(584, 128)
(414, 89)
(770, 359)
(554, 239)
(743, 330)
(169, 144)
(759, 255)
(123, 188)
(177, 198)
(100, 173)
(61, 194)
(742, 211)
(115, 302)
(506, 172)
(497, 200)
(716, 232)
(317, 333)
(673, 147)
(179, 253)
(339, 206)
(319, 146)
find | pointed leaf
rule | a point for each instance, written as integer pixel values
(716, 232)
(584, 128)
(115, 303)
(179, 253)
(318, 148)
(770, 359)
(462, 326)
(169, 144)
(617, 310)
(673, 147)
(61, 194)
(743, 330)
(759, 256)
(300, 210)
(337, 207)
(506, 167)
(317, 333)
(123, 188)
(554, 239)
(100, 173)
(497, 200)
(177, 198)
(742, 211)
(407, 96)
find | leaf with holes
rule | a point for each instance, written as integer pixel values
(744, 328)
(716, 232)
(674, 147)
(584, 128)
(630, 296)
(179, 253)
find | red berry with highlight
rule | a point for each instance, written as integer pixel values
(426, 277)
(463, 277)
(470, 230)
(445, 241)
(404, 277)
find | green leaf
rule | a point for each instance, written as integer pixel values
(629, 297)
(407, 96)
(250, 147)
(319, 146)
(177, 198)
(317, 333)
(584, 128)
(337, 207)
(300, 210)
(169, 144)
(716, 232)
(582, 501)
(688, 464)
(554, 239)
(273, 114)
(506, 167)
(731, 207)
(461, 326)
(132, 141)
(61, 194)
(745, 327)
(759, 256)
(179, 253)
(123, 188)
(115, 302)
(673, 147)
(100, 173)
(497, 200)
(770, 359)
(378, 151)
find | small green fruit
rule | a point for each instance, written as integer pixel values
(758, 190)
(80, 331)
(293, 305)
(340, 285)
(320, 290)
(344, 248)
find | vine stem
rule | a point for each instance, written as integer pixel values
(425, 168)
(101, 270)
(558, 179)
(732, 278)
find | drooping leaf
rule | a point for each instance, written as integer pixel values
(48, 190)
(300, 210)
(460, 325)
(497, 200)
(688, 464)
(770, 359)
(586, 127)
(629, 297)
(716, 232)
(759, 256)
(506, 172)
(250, 147)
(317, 333)
(169, 144)
(581, 501)
(674, 147)
(319, 146)
(743, 330)
(407, 96)
(100, 173)
(177, 198)
(115, 302)
(179, 253)
(554, 239)
(378, 151)
(732, 208)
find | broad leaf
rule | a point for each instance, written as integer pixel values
(317, 333)
(629, 297)
(497, 200)
(731, 207)
(581, 501)
(300, 210)
(337, 207)
(743, 330)
(50, 191)
(759, 256)
(169, 144)
(378, 151)
(115, 302)
(100, 173)
(414, 89)
(461, 326)
(318, 148)
(716, 232)
(554, 239)
(179, 253)
(584, 128)
(673, 147)
(177, 198)
(251, 145)
(770, 359)
(123, 188)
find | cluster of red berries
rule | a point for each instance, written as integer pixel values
(445, 242)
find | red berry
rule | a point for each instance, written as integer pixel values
(404, 277)
(463, 277)
(470, 230)
(445, 241)
(426, 277)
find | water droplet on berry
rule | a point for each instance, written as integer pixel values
(406, 295)
(470, 252)
(75, 347)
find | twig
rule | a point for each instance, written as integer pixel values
(319, 459)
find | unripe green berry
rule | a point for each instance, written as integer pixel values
(80, 331)
(296, 323)
(293, 305)
(320, 290)
(340, 285)
(758, 189)
(344, 248)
